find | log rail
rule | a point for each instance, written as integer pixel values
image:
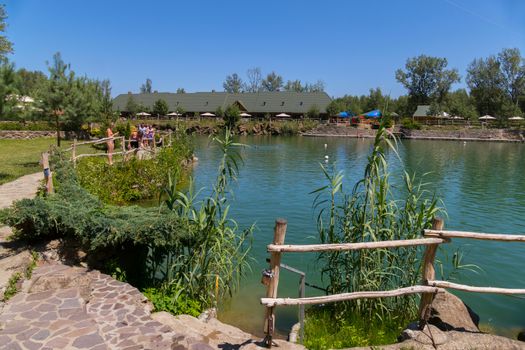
(428, 288)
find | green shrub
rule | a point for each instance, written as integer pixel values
(135, 179)
(30, 126)
(172, 298)
(408, 123)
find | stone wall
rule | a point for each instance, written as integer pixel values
(466, 134)
(27, 134)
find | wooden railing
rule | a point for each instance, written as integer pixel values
(123, 142)
(429, 285)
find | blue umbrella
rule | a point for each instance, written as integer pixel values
(376, 113)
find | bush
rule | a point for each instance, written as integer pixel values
(408, 123)
(30, 126)
(135, 179)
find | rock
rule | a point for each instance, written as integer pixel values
(429, 335)
(450, 313)
(13, 264)
(521, 336)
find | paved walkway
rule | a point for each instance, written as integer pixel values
(64, 307)
(23, 187)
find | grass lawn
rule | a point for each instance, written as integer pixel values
(21, 157)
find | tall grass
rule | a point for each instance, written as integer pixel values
(371, 212)
(208, 266)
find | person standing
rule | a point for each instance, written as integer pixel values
(110, 142)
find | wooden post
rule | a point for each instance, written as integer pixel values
(74, 152)
(428, 275)
(44, 160)
(271, 292)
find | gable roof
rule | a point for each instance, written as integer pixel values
(254, 102)
(422, 111)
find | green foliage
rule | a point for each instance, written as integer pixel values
(323, 332)
(313, 112)
(427, 79)
(32, 265)
(135, 179)
(146, 87)
(12, 286)
(272, 82)
(195, 244)
(233, 83)
(160, 107)
(410, 124)
(172, 298)
(5, 45)
(30, 126)
(497, 83)
(232, 116)
(373, 212)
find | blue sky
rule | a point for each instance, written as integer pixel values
(350, 45)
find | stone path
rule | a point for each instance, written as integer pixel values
(23, 187)
(65, 307)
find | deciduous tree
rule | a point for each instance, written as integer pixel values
(160, 107)
(254, 83)
(146, 87)
(427, 79)
(233, 84)
(273, 82)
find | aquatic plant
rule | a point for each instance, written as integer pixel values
(371, 212)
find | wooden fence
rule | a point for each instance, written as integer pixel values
(124, 151)
(428, 288)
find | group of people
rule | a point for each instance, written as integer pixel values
(141, 136)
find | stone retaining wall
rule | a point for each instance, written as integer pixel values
(27, 134)
(466, 134)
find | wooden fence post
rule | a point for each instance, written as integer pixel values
(428, 275)
(271, 292)
(74, 152)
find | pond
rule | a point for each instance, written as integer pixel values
(482, 186)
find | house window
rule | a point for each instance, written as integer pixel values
(301, 103)
(177, 103)
(206, 103)
(282, 103)
(264, 103)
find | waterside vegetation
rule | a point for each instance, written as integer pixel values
(186, 254)
(372, 211)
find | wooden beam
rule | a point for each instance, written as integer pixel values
(271, 291)
(428, 274)
(271, 302)
(474, 235)
(463, 287)
(354, 246)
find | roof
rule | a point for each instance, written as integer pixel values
(254, 102)
(422, 111)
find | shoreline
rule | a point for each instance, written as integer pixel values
(428, 138)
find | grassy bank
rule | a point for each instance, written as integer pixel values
(22, 157)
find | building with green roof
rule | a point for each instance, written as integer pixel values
(257, 104)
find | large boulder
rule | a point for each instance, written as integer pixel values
(450, 313)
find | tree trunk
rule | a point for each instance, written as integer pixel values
(58, 130)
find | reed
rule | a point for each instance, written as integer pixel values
(371, 212)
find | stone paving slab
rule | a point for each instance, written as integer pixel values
(23, 187)
(57, 314)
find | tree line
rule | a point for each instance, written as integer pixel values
(496, 86)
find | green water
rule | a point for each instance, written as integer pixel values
(482, 186)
